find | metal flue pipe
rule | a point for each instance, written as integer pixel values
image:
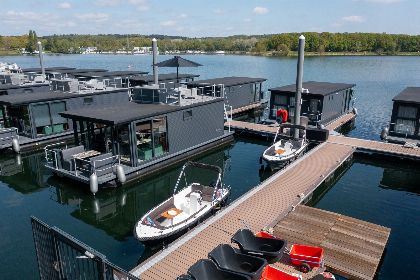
(155, 68)
(41, 59)
(299, 77)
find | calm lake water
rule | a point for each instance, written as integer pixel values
(106, 222)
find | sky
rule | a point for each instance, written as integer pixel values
(202, 18)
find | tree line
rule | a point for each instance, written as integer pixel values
(278, 44)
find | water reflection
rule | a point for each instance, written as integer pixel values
(25, 174)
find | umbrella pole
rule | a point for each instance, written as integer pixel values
(177, 80)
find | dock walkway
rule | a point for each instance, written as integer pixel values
(245, 108)
(352, 248)
(263, 206)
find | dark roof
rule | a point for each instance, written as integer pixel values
(27, 98)
(10, 86)
(126, 112)
(317, 88)
(410, 95)
(227, 81)
(75, 71)
(52, 69)
(109, 74)
(162, 77)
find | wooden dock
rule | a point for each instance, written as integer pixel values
(270, 202)
(339, 122)
(244, 109)
(352, 248)
(263, 206)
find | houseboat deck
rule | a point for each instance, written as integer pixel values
(352, 248)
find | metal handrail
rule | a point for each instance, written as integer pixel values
(47, 150)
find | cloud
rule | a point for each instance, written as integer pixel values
(247, 19)
(107, 3)
(355, 19)
(168, 23)
(93, 17)
(182, 16)
(64, 5)
(142, 5)
(260, 10)
(218, 11)
(382, 1)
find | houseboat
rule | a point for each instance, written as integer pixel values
(168, 81)
(30, 87)
(110, 78)
(322, 102)
(29, 120)
(237, 91)
(120, 142)
(404, 127)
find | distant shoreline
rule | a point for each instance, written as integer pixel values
(265, 54)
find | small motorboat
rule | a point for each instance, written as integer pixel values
(287, 149)
(184, 208)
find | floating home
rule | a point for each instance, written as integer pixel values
(7, 89)
(125, 141)
(111, 78)
(168, 81)
(322, 102)
(30, 120)
(404, 126)
(237, 91)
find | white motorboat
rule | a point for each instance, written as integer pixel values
(287, 149)
(184, 208)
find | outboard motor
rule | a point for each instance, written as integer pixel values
(384, 133)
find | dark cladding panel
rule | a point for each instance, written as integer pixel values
(195, 125)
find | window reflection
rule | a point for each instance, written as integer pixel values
(151, 139)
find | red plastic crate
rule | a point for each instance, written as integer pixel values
(272, 273)
(313, 256)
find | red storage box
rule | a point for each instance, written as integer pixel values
(313, 256)
(272, 273)
(264, 234)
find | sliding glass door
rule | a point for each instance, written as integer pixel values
(152, 140)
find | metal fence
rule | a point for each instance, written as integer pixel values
(61, 256)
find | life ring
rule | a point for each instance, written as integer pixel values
(282, 115)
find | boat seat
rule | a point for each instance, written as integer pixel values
(208, 270)
(268, 248)
(103, 164)
(67, 157)
(205, 191)
(228, 259)
(288, 146)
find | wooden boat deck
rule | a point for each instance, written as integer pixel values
(352, 248)
(244, 108)
(263, 206)
(339, 122)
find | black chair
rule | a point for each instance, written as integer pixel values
(268, 248)
(228, 259)
(208, 270)
(185, 277)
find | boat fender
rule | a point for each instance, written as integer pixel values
(120, 174)
(384, 133)
(16, 145)
(355, 111)
(93, 183)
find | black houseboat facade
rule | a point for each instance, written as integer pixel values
(405, 119)
(237, 91)
(322, 102)
(33, 119)
(136, 139)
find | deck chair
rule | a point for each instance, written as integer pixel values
(208, 270)
(230, 260)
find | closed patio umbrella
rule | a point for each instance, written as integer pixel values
(177, 62)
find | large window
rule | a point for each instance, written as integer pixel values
(152, 140)
(19, 118)
(47, 119)
(124, 143)
(406, 120)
